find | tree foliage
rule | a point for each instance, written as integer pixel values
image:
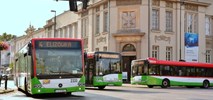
(6, 37)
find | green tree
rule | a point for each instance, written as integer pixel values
(6, 37)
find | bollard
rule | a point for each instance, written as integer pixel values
(5, 82)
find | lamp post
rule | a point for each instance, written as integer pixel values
(55, 23)
(181, 4)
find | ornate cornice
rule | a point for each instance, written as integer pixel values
(128, 39)
(134, 37)
(128, 34)
(162, 38)
(199, 3)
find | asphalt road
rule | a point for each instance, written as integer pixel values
(126, 92)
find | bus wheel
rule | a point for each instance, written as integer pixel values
(190, 86)
(150, 86)
(165, 83)
(68, 93)
(25, 87)
(19, 89)
(206, 84)
(101, 87)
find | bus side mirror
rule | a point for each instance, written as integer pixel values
(29, 49)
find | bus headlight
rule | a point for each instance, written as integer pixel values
(46, 81)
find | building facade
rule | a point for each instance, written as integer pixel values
(164, 29)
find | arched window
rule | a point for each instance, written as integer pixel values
(128, 47)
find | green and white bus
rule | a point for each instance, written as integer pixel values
(42, 66)
(103, 69)
(153, 72)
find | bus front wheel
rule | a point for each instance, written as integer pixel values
(25, 87)
(150, 86)
(206, 84)
(101, 87)
(165, 83)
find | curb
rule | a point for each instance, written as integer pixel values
(6, 91)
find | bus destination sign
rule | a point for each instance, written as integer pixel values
(57, 44)
(108, 56)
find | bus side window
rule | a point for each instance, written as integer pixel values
(174, 71)
(140, 69)
(154, 70)
(165, 70)
(145, 69)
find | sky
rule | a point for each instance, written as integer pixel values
(17, 15)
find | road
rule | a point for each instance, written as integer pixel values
(126, 92)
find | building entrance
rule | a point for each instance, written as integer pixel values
(127, 67)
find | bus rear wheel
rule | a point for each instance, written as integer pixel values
(150, 86)
(101, 87)
(165, 83)
(206, 84)
(68, 93)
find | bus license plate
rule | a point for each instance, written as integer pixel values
(111, 84)
(60, 91)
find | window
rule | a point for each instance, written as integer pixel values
(154, 70)
(84, 27)
(76, 30)
(61, 32)
(70, 31)
(168, 53)
(128, 47)
(190, 71)
(207, 25)
(208, 56)
(105, 48)
(56, 33)
(65, 32)
(155, 19)
(106, 23)
(49, 34)
(96, 49)
(105, 5)
(155, 52)
(97, 30)
(169, 20)
(191, 23)
(164, 70)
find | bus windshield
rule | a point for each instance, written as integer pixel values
(139, 68)
(58, 61)
(108, 66)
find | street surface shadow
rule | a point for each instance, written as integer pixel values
(177, 88)
(125, 91)
(51, 96)
(84, 96)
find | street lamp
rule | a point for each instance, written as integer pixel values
(55, 23)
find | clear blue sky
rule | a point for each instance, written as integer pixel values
(17, 15)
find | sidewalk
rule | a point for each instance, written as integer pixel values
(2, 88)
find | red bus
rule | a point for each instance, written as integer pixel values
(153, 72)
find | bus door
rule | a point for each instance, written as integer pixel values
(144, 68)
(90, 69)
